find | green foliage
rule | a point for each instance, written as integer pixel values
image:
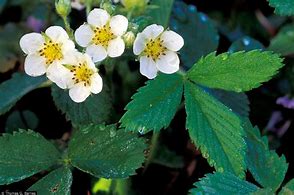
(23, 154)
(154, 105)
(288, 189)
(238, 102)
(223, 184)
(283, 7)
(57, 182)
(96, 109)
(266, 166)
(9, 45)
(283, 42)
(161, 13)
(16, 87)
(104, 151)
(240, 71)
(215, 130)
(200, 34)
(21, 120)
(245, 44)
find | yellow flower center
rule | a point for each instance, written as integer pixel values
(82, 73)
(154, 49)
(51, 51)
(102, 36)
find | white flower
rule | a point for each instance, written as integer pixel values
(102, 35)
(157, 49)
(44, 50)
(79, 75)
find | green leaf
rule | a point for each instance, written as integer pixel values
(267, 168)
(245, 44)
(161, 13)
(154, 105)
(283, 7)
(215, 130)
(23, 154)
(238, 72)
(197, 29)
(95, 109)
(283, 42)
(288, 189)
(238, 102)
(21, 120)
(57, 182)
(16, 87)
(106, 152)
(223, 184)
(264, 191)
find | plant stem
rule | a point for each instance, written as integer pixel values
(153, 149)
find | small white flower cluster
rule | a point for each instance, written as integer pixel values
(54, 53)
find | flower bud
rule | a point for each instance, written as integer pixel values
(129, 38)
(138, 5)
(63, 7)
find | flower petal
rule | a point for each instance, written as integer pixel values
(96, 83)
(139, 44)
(169, 63)
(84, 35)
(89, 62)
(60, 75)
(98, 17)
(35, 65)
(32, 42)
(119, 25)
(153, 31)
(79, 93)
(68, 46)
(148, 67)
(116, 47)
(56, 33)
(173, 41)
(97, 52)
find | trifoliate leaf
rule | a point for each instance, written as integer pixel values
(222, 184)
(95, 109)
(283, 42)
(288, 189)
(283, 7)
(238, 102)
(21, 120)
(23, 154)
(200, 34)
(267, 168)
(238, 72)
(57, 182)
(263, 191)
(106, 152)
(154, 105)
(16, 87)
(245, 44)
(161, 13)
(215, 130)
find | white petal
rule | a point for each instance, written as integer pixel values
(90, 62)
(148, 67)
(84, 35)
(173, 41)
(68, 46)
(71, 57)
(35, 65)
(98, 17)
(97, 52)
(56, 33)
(119, 25)
(169, 63)
(153, 31)
(116, 47)
(32, 42)
(60, 75)
(139, 43)
(96, 83)
(79, 93)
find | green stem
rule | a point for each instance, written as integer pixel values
(67, 28)
(153, 149)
